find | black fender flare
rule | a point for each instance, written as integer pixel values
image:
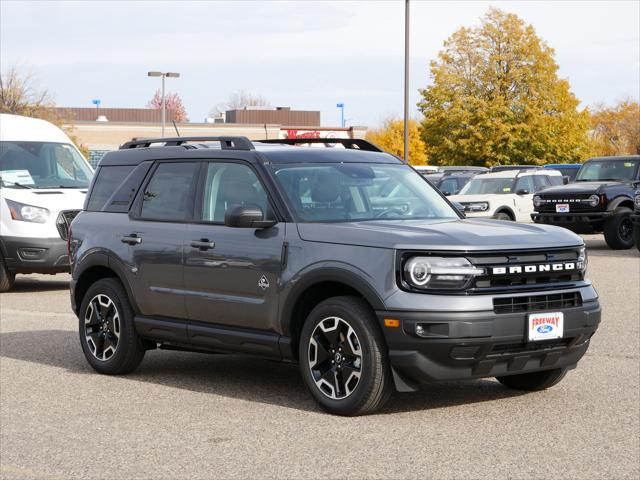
(104, 258)
(326, 274)
(617, 201)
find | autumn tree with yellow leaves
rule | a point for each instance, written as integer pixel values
(616, 130)
(390, 137)
(496, 98)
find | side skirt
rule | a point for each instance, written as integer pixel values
(214, 338)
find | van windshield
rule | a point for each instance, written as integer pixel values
(42, 165)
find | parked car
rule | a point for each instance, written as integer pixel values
(568, 170)
(425, 169)
(43, 181)
(505, 168)
(635, 217)
(600, 200)
(345, 261)
(505, 195)
(450, 182)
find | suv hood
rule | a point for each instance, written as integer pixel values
(53, 199)
(470, 234)
(580, 188)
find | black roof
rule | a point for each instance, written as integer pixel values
(135, 152)
(632, 158)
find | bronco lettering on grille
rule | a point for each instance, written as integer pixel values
(544, 267)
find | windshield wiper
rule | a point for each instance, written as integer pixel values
(17, 184)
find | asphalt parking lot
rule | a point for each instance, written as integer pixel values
(183, 415)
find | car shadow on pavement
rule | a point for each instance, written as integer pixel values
(598, 247)
(234, 376)
(29, 284)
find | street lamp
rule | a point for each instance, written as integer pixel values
(407, 23)
(164, 107)
(341, 107)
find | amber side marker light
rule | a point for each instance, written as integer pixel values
(391, 322)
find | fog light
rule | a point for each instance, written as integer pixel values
(420, 330)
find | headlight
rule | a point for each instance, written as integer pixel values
(582, 259)
(593, 200)
(637, 200)
(439, 273)
(27, 213)
(476, 206)
(537, 201)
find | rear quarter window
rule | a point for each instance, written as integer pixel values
(107, 180)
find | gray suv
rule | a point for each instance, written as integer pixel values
(344, 260)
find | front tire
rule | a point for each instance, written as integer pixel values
(343, 357)
(618, 230)
(107, 333)
(7, 278)
(636, 235)
(535, 381)
(503, 216)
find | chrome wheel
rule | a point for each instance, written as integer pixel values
(102, 327)
(335, 358)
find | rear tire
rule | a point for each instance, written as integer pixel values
(618, 230)
(535, 381)
(343, 358)
(106, 329)
(7, 278)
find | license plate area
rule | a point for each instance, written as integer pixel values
(545, 326)
(562, 208)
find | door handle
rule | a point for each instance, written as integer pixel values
(132, 239)
(203, 244)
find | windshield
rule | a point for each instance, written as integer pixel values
(493, 186)
(357, 192)
(42, 165)
(613, 170)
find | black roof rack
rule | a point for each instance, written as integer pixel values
(226, 143)
(351, 143)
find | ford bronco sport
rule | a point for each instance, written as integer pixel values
(343, 260)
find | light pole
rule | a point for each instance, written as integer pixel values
(164, 106)
(406, 81)
(97, 102)
(341, 107)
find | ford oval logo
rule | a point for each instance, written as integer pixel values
(544, 328)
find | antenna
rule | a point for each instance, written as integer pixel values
(175, 126)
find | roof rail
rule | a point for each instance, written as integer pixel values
(350, 143)
(226, 143)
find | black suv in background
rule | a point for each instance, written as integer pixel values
(635, 218)
(343, 260)
(600, 200)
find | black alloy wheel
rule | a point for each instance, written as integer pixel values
(335, 358)
(102, 327)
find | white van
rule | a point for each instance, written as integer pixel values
(43, 182)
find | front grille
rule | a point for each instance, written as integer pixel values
(577, 203)
(491, 282)
(64, 220)
(534, 303)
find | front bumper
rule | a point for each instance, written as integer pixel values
(468, 345)
(570, 218)
(35, 255)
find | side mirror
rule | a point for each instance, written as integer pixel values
(446, 193)
(565, 179)
(522, 191)
(246, 216)
(459, 208)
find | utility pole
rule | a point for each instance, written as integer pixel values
(164, 101)
(406, 80)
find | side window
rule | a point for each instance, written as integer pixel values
(525, 183)
(169, 193)
(449, 186)
(230, 184)
(541, 182)
(108, 179)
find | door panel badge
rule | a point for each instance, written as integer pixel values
(263, 283)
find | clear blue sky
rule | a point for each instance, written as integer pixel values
(307, 55)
